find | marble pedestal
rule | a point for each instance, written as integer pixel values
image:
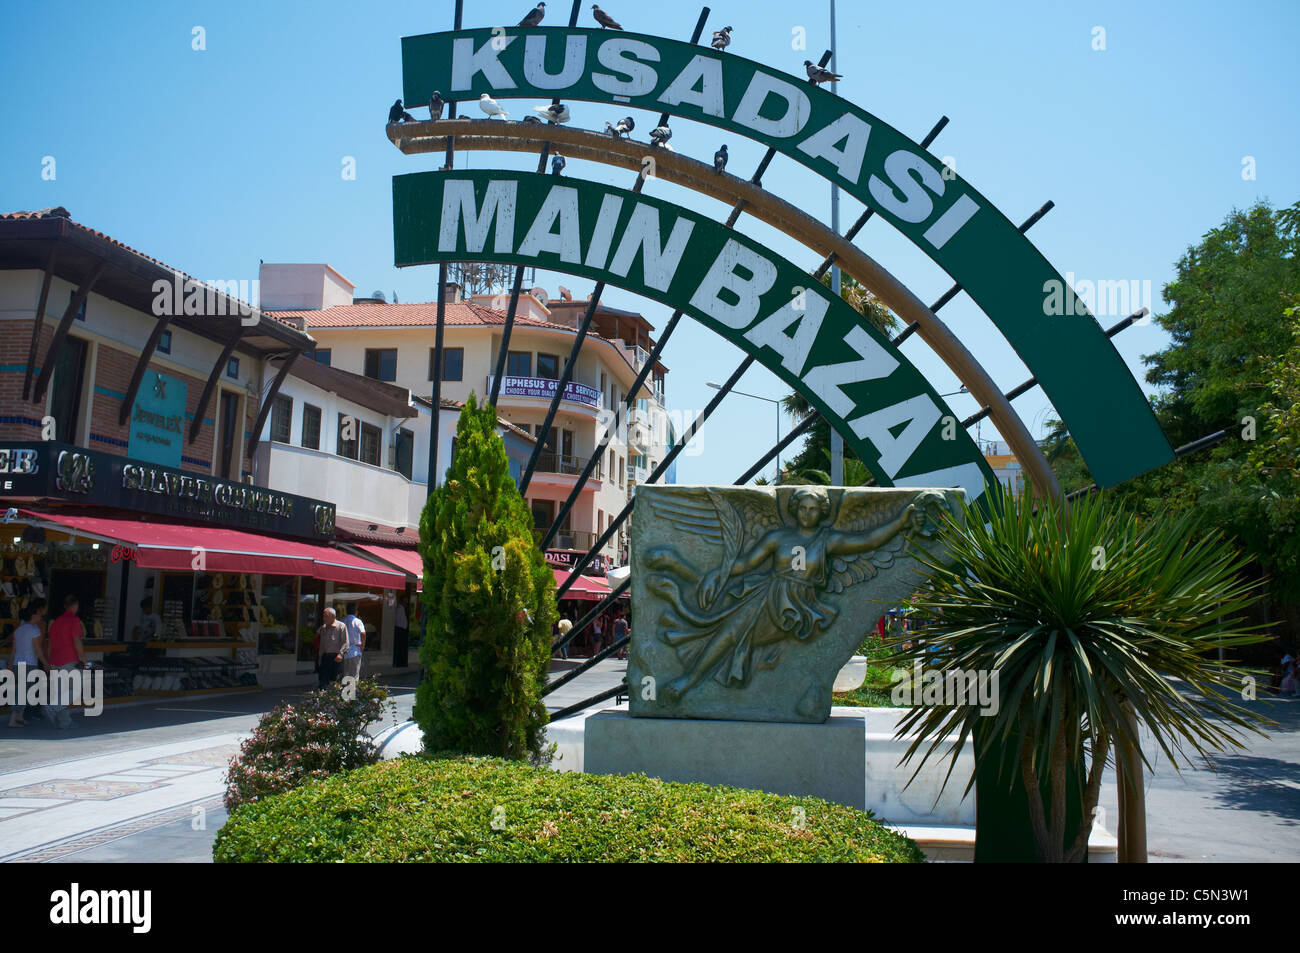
(826, 760)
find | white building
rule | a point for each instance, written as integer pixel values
(392, 346)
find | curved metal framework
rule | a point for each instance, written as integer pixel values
(494, 135)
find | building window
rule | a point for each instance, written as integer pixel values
(453, 363)
(310, 427)
(381, 363)
(66, 386)
(81, 312)
(611, 466)
(165, 343)
(622, 476)
(281, 418)
(519, 364)
(548, 366)
(232, 367)
(321, 355)
(404, 452)
(347, 443)
(371, 444)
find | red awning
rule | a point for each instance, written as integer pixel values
(171, 546)
(407, 560)
(588, 588)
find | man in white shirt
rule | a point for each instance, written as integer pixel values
(356, 642)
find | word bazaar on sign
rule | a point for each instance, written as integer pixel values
(764, 304)
(943, 215)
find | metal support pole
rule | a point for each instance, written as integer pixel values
(441, 316)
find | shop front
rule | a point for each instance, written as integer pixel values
(186, 583)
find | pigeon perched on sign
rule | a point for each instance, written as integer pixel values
(722, 38)
(398, 114)
(604, 19)
(556, 112)
(534, 16)
(624, 127)
(491, 107)
(557, 164)
(720, 159)
(435, 105)
(819, 74)
(660, 135)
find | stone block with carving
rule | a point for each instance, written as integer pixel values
(748, 600)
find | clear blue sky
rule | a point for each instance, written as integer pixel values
(212, 160)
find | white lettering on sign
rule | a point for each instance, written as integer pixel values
(498, 205)
(624, 58)
(704, 72)
(792, 119)
(643, 234)
(808, 311)
(603, 234)
(914, 205)
(919, 413)
(967, 476)
(561, 203)
(742, 291)
(575, 62)
(948, 224)
(466, 61)
(824, 144)
(873, 362)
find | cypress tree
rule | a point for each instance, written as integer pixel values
(489, 600)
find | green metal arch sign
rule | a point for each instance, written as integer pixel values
(962, 231)
(759, 301)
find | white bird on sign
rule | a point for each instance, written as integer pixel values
(722, 38)
(491, 107)
(556, 112)
(660, 135)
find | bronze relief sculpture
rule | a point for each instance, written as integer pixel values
(748, 600)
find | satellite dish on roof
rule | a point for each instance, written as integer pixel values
(540, 295)
(565, 294)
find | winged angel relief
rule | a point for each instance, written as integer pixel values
(788, 563)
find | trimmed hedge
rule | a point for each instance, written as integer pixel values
(443, 809)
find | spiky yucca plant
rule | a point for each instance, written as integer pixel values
(490, 604)
(1089, 619)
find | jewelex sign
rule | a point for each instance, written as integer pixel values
(955, 225)
(87, 476)
(158, 421)
(759, 301)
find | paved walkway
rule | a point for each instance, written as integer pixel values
(144, 783)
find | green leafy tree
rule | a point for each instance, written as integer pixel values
(489, 603)
(1231, 365)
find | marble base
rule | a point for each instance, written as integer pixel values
(826, 760)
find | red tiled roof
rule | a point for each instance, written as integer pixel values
(419, 314)
(61, 212)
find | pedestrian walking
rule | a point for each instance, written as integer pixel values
(29, 653)
(620, 632)
(597, 635)
(561, 630)
(331, 643)
(65, 654)
(356, 642)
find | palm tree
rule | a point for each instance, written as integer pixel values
(1093, 624)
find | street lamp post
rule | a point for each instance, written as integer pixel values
(770, 400)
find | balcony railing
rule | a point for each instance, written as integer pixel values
(567, 463)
